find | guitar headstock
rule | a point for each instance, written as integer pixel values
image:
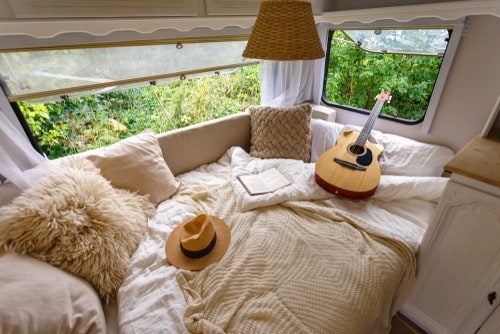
(384, 96)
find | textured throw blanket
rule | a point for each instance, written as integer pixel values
(296, 267)
(304, 187)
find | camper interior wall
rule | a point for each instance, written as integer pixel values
(469, 94)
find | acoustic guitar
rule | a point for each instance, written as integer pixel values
(350, 168)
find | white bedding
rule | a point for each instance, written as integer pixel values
(150, 299)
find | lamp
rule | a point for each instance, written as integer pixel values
(284, 30)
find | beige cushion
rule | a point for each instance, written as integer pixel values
(75, 220)
(187, 148)
(136, 164)
(8, 192)
(281, 132)
(39, 298)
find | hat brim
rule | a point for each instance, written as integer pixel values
(176, 258)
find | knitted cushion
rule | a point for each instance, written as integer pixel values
(281, 132)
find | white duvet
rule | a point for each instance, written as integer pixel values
(150, 299)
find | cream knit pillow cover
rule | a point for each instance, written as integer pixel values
(281, 132)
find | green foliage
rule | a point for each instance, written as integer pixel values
(80, 124)
(355, 77)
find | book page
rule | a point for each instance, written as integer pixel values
(265, 182)
(274, 179)
(253, 184)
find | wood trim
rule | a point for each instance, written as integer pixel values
(479, 160)
(63, 91)
(106, 26)
(185, 40)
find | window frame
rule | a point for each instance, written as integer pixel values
(458, 29)
(117, 85)
(140, 80)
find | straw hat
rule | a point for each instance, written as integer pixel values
(198, 242)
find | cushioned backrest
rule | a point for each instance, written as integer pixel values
(195, 145)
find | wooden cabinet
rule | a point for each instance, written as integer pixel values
(134, 8)
(104, 8)
(458, 279)
(232, 7)
(246, 7)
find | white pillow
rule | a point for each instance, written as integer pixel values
(324, 135)
(401, 156)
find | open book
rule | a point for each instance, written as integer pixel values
(265, 182)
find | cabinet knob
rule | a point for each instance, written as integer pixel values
(491, 297)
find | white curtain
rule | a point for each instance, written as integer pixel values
(17, 154)
(287, 83)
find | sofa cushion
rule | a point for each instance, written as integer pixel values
(136, 164)
(281, 132)
(39, 298)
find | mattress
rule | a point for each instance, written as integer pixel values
(373, 244)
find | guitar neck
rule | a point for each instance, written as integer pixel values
(367, 128)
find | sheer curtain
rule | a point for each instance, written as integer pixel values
(17, 154)
(287, 83)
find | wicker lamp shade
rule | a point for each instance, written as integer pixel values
(284, 30)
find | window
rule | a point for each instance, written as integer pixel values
(405, 62)
(83, 98)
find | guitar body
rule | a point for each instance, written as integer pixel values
(349, 170)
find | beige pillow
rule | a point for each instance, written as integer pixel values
(8, 192)
(281, 132)
(136, 164)
(39, 298)
(75, 220)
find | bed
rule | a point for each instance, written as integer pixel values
(300, 259)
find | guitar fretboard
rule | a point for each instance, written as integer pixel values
(367, 128)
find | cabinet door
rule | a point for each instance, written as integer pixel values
(459, 263)
(103, 8)
(232, 7)
(246, 7)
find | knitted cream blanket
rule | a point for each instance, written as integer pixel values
(298, 267)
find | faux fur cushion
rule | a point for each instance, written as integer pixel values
(75, 220)
(281, 132)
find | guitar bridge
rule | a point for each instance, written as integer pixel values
(349, 164)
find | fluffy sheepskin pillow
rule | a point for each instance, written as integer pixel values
(75, 220)
(281, 132)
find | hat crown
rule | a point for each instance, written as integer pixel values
(197, 233)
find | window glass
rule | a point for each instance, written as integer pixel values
(45, 72)
(411, 41)
(405, 62)
(79, 99)
(77, 124)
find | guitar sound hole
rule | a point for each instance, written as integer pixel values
(357, 149)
